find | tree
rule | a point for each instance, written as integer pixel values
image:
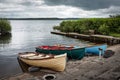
(5, 26)
(83, 29)
(115, 16)
(104, 29)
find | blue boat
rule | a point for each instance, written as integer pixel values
(96, 49)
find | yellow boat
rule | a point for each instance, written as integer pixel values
(54, 62)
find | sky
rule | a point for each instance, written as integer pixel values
(58, 8)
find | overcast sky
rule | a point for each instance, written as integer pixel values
(58, 8)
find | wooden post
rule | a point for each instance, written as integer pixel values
(100, 53)
(23, 65)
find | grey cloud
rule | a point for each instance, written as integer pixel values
(26, 3)
(21, 8)
(115, 10)
(19, 2)
(4, 1)
(9, 1)
(29, 3)
(11, 14)
(85, 4)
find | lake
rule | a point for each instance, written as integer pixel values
(25, 36)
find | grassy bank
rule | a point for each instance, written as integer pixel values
(115, 34)
(104, 26)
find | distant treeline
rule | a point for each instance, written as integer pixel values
(40, 18)
(105, 26)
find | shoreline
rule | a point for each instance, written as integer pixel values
(89, 68)
(92, 38)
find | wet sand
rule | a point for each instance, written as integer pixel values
(89, 68)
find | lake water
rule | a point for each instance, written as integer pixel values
(25, 36)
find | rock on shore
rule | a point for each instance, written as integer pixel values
(89, 68)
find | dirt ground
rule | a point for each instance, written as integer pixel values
(89, 68)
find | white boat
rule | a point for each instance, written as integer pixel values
(54, 62)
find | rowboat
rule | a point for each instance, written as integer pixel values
(54, 62)
(96, 49)
(72, 52)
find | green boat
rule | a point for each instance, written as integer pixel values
(72, 52)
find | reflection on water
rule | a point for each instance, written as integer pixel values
(26, 35)
(5, 39)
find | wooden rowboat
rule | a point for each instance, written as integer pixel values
(72, 52)
(54, 62)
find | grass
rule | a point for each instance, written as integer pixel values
(115, 35)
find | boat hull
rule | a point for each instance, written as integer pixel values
(76, 53)
(95, 49)
(57, 63)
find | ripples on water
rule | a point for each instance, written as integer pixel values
(25, 36)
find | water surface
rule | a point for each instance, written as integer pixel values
(25, 36)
